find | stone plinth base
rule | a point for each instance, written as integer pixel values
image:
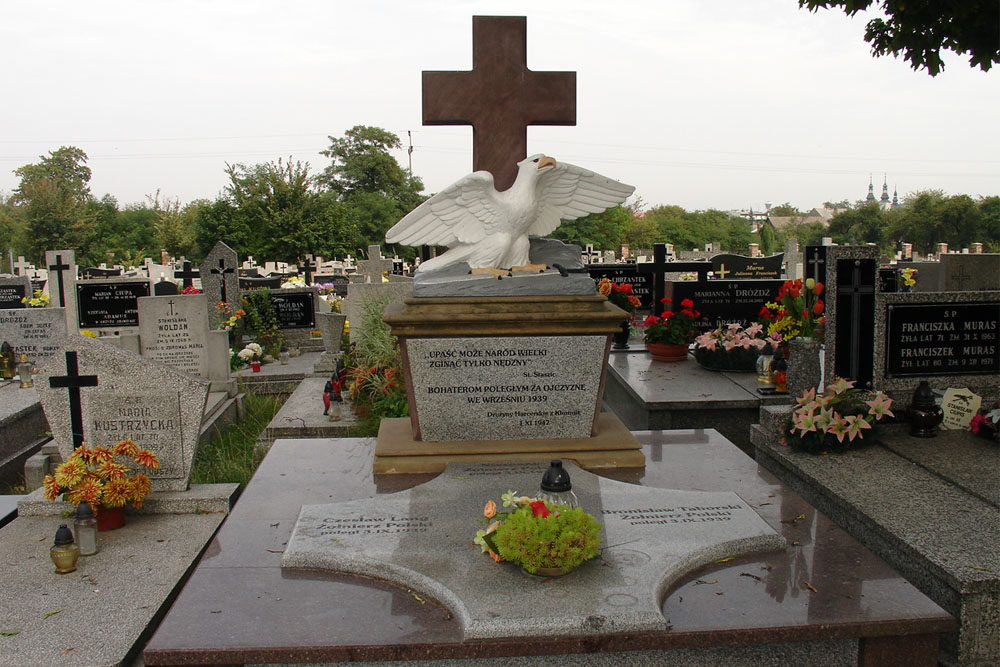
(396, 451)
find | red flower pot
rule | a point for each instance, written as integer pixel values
(255, 365)
(110, 518)
(664, 352)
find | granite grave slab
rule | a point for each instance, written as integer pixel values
(114, 394)
(37, 332)
(219, 280)
(505, 387)
(12, 290)
(420, 539)
(970, 272)
(174, 330)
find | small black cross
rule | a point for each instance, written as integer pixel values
(187, 274)
(660, 266)
(307, 268)
(171, 304)
(59, 267)
(221, 272)
(73, 381)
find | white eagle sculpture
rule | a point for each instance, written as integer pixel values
(489, 229)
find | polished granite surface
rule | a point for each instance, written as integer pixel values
(241, 606)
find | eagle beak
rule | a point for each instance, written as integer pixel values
(546, 161)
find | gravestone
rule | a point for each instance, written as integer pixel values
(620, 274)
(22, 267)
(37, 332)
(970, 273)
(500, 97)
(295, 307)
(420, 539)
(660, 266)
(174, 331)
(165, 288)
(259, 282)
(851, 274)
(110, 305)
(114, 394)
(359, 294)
(219, 281)
(12, 290)
(370, 270)
(92, 272)
(815, 263)
(724, 302)
(337, 282)
(738, 267)
(950, 339)
(60, 282)
(187, 274)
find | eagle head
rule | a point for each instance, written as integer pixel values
(538, 161)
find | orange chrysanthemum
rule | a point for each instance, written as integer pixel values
(51, 487)
(140, 489)
(89, 489)
(117, 492)
(70, 473)
(111, 470)
(102, 454)
(126, 448)
(147, 459)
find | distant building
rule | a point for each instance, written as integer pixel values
(884, 203)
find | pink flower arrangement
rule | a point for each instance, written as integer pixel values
(834, 419)
(734, 336)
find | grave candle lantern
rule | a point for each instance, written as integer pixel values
(556, 486)
(24, 370)
(924, 414)
(63, 552)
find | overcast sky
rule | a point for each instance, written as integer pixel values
(701, 103)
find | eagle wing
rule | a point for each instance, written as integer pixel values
(464, 212)
(568, 192)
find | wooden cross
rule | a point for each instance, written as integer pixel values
(307, 268)
(73, 381)
(187, 274)
(500, 97)
(221, 272)
(659, 266)
(59, 267)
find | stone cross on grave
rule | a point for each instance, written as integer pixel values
(816, 263)
(960, 277)
(660, 266)
(187, 274)
(307, 269)
(593, 256)
(60, 267)
(500, 97)
(21, 267)
(73, 381)
(221, 271)
(375, 265)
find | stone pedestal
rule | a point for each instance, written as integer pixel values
(804, 372)
(504, 375)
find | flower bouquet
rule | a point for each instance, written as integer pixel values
(95, 475)
(620, 295)
(668, 336)
(543, 538)
(986, 423)
(733, 348)
(39, 299)
(798, 313)
(822, 422)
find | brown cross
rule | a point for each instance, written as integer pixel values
(500, 97)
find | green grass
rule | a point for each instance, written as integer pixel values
(230, 456)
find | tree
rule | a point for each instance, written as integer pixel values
(605, 230)
(362, 163)
(919, 29)
(52, 196)
(768, 240)
(843, 203)
(785, 210)
(866, 224)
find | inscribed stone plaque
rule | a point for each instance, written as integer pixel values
(722, 302)
(37, 332)
(943, 339)
(738, 267)
(971, 273)
(12, 290)
(109, 304)
(151, 420)
(173, 330)
(159, 404)
(295, 308)
(506, 388)
(420, 539)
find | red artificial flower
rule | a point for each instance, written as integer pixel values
(665, 299)
(977, 422)
(818, 307)
(687, 303)
(651, 320)
(626, 288)
(538, 508)
(818, 289)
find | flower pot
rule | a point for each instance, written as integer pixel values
(255, 365)
(620, 338)
(549, 571)
(664, 352)
(736, 360)
(110, 518)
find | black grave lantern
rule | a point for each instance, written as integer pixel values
(924, 414)
(556, 486)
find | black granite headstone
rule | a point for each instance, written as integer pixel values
(642, 283)
(924, 339)
(725, 301)
(855, 303)
(738, 267)
(97, 272)
(659, 267)
(815, 263)
(109, 305)
(259, 283)
(295, 310)
(12, 293)
(165, 288)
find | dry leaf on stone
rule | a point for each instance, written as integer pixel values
(698, 582)
(9, 633)
(417, 598)
(810, 587)
(69, 649)
(51, 613)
